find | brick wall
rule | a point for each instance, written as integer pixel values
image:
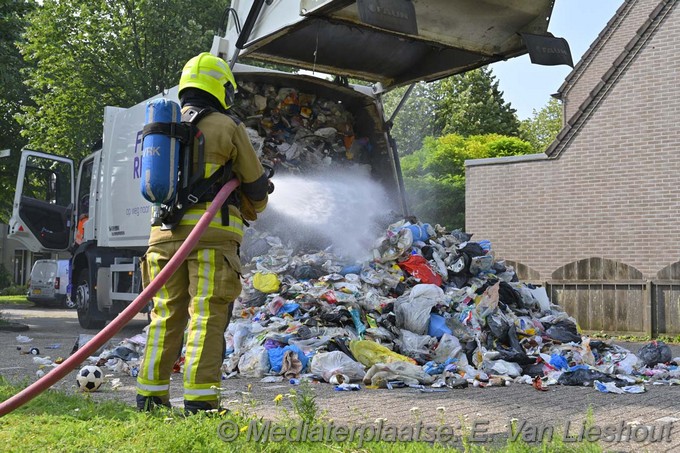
(602, 53)
(613, 192)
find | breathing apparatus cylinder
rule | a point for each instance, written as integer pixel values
(160, 152)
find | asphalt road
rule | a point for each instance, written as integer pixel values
(633, 420)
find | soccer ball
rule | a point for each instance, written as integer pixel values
(90, 378)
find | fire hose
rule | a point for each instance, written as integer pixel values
(126, 315)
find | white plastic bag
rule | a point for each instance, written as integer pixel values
(381, 373)
(503, 368)
(411, 344)
(414, 314)
(330, 364)
(254, 362)
(449, 346)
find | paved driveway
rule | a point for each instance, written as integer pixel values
(633, 420)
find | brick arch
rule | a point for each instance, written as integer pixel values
(670, 272)
(524, 272)
(596, 268)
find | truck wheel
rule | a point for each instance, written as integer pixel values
(69, 303)
(86, 308)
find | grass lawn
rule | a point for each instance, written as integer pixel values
(56, 421)
(18, 300)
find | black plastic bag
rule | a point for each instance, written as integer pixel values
(564, 332)
(307, 272)
(499, 326)
(655, 352)
(472, 249)
(512, 355)
(586, 377)
(509, 296)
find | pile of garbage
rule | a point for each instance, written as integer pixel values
(429, 308)
(298, 131)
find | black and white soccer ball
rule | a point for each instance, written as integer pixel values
(90, 378)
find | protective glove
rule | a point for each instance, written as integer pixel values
(247, 209)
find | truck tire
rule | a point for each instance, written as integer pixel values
(87, 310)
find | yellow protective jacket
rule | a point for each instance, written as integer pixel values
(224, 141)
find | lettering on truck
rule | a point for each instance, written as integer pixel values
(137, 166)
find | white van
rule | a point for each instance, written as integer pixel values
(49, 282)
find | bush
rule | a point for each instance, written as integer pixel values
(14, 290)
(5, 277)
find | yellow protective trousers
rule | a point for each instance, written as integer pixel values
(197, 298)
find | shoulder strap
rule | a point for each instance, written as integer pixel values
(194, 185)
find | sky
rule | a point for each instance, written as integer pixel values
(528, 86)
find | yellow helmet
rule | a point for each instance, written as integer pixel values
(210, 74)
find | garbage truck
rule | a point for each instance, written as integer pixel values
(96, 211)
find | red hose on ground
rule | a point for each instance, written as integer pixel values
(126, 315)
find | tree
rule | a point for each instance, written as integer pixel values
(541, 129)
(471, 104)
(12, 96)
(415, 120)
(89, 54)
(434, 176)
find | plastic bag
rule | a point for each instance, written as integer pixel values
(379, 333)
(380, 374)
(627, 365)
(581, 375)
(414, 345)
(329, 364)
(419, 233)
(449, 347)
(564, 332)
(358, 325)
(489, 301)
(421, 270)
(655, 352)
(310, 345)
(266, 283)
(254, 363)
(276, 357)
(480, 264)
(240, 332)
(414, 314)
(438, 327)
(369, 353)
(503, 368)
(541, 296)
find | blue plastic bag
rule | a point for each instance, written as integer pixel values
(558, 362)
(419, 232)
(276, 357)
(438, 326)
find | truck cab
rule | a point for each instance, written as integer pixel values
(101, 216)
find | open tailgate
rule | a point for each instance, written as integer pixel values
(394, 42)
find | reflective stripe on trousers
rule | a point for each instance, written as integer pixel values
(200, 293)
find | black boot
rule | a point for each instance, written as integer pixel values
(209, 407)
(149, 403)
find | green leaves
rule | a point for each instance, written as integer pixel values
(542, 128)
(89, 54)
(472, 104)
(435, 175)
(13, 96)
(448, 122)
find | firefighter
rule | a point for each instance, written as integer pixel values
(199, 296)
